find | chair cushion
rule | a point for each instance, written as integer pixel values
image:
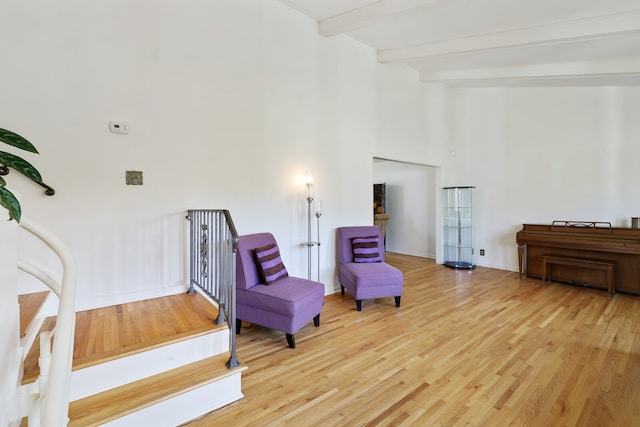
(269, 263)
(365, 249)
(371, 275)
(290, 296)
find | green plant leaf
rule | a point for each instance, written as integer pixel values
(16, 140)
(20, 165)
(9, 201)
(2, 181)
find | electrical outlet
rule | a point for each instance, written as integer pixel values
(119, 127)
(481, 252)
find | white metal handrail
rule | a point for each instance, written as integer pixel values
(54, 396)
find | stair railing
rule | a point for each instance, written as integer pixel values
(213, 245)
(49, 404)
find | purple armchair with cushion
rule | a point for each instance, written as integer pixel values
(266, 295)
(361, 266)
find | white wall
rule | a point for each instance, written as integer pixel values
(401, 130)
(411, 201)
(229, 103)
(543, 154)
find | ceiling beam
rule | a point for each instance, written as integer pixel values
(583, 80)
(561, 32)
(578, 73)
(371, 14)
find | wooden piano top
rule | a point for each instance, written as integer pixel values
(605, 239)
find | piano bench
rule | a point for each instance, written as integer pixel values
(597, 264)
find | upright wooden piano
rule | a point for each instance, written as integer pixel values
(597, 240)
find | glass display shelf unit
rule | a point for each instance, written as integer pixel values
(458, 227)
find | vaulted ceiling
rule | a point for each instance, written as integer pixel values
(494, 42)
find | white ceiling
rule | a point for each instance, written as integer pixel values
(494, 42)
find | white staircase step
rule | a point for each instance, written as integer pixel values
(166, 399)
(116, 372)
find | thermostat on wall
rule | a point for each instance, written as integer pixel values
(119, 127)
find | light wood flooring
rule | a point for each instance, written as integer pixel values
(466, 348)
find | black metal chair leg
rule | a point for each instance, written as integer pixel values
(238, 326)
(316, 320)
(342, 289)
(359, 304)
(397, 301)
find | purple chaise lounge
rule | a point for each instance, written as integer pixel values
(361, 266)
(285, 304)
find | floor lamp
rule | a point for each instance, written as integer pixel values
(310, 243)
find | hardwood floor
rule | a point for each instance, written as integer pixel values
(466, 348)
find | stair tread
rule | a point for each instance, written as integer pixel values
(108, 333)
(30, 304)
(118, 402)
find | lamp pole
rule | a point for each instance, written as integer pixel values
(318, 214)
(309, 242)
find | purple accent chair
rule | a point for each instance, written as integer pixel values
(285, 305)
(366, 280)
